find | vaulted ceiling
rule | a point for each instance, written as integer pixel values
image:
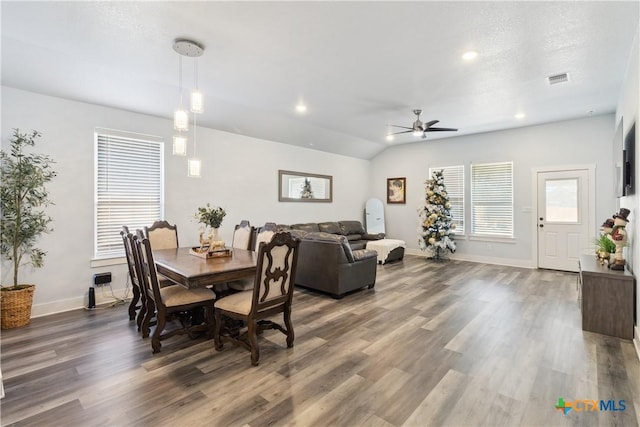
(359, 67)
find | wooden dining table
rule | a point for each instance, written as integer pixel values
(192, 271)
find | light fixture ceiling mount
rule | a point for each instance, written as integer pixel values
(188, 48)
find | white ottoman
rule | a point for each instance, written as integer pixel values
(387, 249)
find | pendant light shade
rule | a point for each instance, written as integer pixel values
(179, 145)
(194, 167)
(197, 102)
(181, 120)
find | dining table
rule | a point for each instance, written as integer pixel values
(191, 271)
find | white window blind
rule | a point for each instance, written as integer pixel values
(129, 187)
(454, 183)
(492, 199)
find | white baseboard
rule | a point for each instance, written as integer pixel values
(636, 341)
(521, 263)
(103, 296)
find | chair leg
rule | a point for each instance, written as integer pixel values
(253, 341)
(150, 311)
(289, 325)
(155, 339)
(210, 320)
(134, 302)
(142, 312)
(217, 331)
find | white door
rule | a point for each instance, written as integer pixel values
(563, 218)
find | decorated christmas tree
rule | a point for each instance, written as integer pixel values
(306, 192)
(435, 219)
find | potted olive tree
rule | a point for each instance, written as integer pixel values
(23, 196)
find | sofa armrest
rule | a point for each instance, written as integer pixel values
(377, 236)
(360, 254)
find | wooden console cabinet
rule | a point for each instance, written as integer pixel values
(608, 299)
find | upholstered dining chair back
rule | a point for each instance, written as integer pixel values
(165, 302)
(260, 235)
(264, 234)
(162, 235)
(133, 276)
(242, 235)
(275, 271)
(272, 294)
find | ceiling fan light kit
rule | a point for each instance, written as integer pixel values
(420, 129)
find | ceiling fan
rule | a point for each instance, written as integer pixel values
(420, 129)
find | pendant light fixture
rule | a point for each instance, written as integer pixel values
(194, 165)
(181, 116)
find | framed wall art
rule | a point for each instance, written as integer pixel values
(397, 190)
(304, 187)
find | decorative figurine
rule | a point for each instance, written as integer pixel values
(619, 237)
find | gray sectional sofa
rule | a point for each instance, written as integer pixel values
(332, 257)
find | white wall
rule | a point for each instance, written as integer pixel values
(239, 173)
(628, 111)
(576, 142)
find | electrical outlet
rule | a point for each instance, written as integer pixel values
(100, 279)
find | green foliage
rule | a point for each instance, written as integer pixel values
(23, 195)
(211, 216)
(605, 244)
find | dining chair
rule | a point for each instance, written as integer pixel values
(172, 301)
(261, 234)
(146, 316)
(272, 294)
(242, 235)
(133, 277)
(162, 235)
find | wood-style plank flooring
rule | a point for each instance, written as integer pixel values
(450, 343)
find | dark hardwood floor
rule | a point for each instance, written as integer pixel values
(450, 343)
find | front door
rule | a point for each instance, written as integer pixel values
(563, 218)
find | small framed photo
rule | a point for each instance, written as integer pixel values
(397, 190)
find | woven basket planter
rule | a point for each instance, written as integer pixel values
(15, 307)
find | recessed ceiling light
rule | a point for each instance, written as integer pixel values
(301, 108)
(469, 55)
(390, 137)
(520, 116)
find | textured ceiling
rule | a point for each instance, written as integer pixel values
(359, 66)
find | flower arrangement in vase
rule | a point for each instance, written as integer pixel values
(210, 217)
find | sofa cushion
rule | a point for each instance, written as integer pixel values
(330, 227)
(298, 234)
(309, 227)
(364, 254)
(335, 238)
(354, 237)
(358, 244)
(352, 227)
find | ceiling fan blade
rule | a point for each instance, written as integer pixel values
(403, 127)
(431, 123)
(404, 131)
(441, 130)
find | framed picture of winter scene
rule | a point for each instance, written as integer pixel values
(397, 190)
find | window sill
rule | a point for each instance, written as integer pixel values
(104, 262)
(494, 239)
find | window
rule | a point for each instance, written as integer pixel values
(129, 186)
(454, 183)
(492, 199)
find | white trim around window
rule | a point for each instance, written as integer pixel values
(129, 186)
